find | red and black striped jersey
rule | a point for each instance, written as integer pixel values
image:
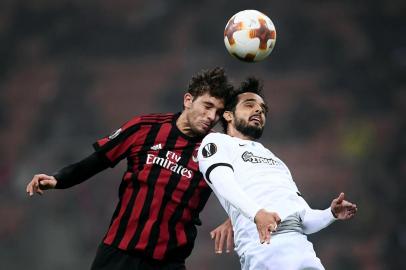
(162, 191)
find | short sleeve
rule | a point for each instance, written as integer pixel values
(215, 150)
(116, 146)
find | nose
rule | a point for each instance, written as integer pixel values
(258, 108)
(211, 115)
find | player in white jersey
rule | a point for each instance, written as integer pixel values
(258, 193)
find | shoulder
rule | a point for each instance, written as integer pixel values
(158, 118)
(217, 142)
(217, 139)
(148, 119)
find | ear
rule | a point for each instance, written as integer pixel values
(187, 100)
(228, 116)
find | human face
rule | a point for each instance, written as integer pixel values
(202, 113)
(250, 115)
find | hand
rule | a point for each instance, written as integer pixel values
(343, 209)
(39, 183)
(266, 224)
(221, 234)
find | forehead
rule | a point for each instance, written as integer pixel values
(207, 98)
(245, 97)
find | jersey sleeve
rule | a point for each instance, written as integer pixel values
(315, 220)
(116, 146)
(214, 151)
(215, 163)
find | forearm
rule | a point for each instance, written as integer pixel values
(316, 220)
(223, 182)
(79, 172)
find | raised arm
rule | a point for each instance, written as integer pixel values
(315, 220)
(68, 176)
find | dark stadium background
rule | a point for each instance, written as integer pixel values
(72, 71)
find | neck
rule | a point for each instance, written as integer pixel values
(235, 133)
(184, 126)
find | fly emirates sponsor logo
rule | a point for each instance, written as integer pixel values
(170, 162)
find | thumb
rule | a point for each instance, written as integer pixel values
(44, 182)
(340, 198)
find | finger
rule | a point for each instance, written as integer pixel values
(40, 192)
(221, 243)
(212, 234)
(347, 204)
(340, 198)
(230, 241)
(268, 237)
(45, 183)
(30, 189)
(217, 243)
(262, 235)
(34, 186)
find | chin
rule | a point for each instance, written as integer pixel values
(201, 131)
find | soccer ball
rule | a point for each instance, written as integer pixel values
(250, 36)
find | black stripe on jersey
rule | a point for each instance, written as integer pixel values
(170, 187)
(122, 188)
(208, 171)
(117, 140)
(150, 139)
(190, 228)
(144, 120)
(204, 196)
(151, 180)
(158, 116)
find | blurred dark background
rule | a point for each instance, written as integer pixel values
(72, 71)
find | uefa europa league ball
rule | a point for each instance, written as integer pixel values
(250, 36)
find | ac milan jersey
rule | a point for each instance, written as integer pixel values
(162, 191)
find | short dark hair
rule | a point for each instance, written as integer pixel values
(213, 81)
(249, 85)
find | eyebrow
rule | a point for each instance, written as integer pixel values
(263, 105)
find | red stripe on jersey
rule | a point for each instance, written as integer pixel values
(121, 148)
(193, 203)
(133, 222)
(140, 200)
(170, 208)
(111, 234)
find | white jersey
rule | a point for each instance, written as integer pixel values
(261, 180)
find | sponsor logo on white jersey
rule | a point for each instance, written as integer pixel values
(250, 157)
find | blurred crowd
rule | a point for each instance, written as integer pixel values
(72, 71)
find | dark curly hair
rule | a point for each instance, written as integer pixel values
(213, 81)
(250, 85)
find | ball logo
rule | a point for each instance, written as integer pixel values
(209, 150)
(115, 134)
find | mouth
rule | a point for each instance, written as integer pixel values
(206, 125)
(256, 119)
